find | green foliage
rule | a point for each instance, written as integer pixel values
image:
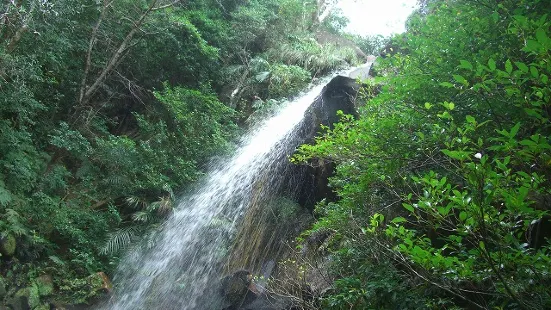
(83, 175)
(314, 57)
(454, 153)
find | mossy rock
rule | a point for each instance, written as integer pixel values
(99, 282)
(45, 284)
(8, 245)
(20, 301)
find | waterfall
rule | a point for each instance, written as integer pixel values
(181, 270)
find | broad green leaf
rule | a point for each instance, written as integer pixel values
(508, 66)
(534, 72)
(514, 130)
(443, 211)
(465, 65)
(482, 245)
(408, 207)
(532, 46)
(460, 79)
(447, 84)
(459, 155)
(522, 66)
(541, 36)
(492, 64)
(462, 216)
(397, 220)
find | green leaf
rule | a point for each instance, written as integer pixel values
(465, 65)
(470, 119)
(399, 219)
(408, 207)
(443, 211)
(460, 79)
(56, 260)
(534, 72)
(508, 66)
(531, 46)
(492, 64)
(462, 216)
(447, 84)
(522, 66)
(541, 36)
(451, 106)
(514, 130)
(459, 155)
(428, 105)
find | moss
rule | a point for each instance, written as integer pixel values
(8, 245)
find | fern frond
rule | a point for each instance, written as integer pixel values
(142, 216)
(119, 240)
(5, 195)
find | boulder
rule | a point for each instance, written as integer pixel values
(100, 283)
(8, 245)
(20, 301)
(339, 94)
(45, 285)
(238, 289)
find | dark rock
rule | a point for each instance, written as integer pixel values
(20, 301)
(339, 94)
(539, 232)
(238, 290)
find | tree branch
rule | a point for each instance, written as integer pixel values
(117, 56)
(89, 52)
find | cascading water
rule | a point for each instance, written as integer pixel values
(181, 270)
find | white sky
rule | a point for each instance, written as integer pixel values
(372, 17)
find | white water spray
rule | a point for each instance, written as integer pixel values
(181, 270)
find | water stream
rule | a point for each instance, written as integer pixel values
(182, 269)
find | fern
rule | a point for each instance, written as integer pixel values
(14, 224)
(119, 240)
(5, 195)
(142, 216)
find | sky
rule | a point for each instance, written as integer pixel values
(372, 17)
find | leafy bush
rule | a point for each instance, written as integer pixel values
(445, 176)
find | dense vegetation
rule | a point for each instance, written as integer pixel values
(109, 107)
(444, 181)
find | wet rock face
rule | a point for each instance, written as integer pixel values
(305, 184)
(339, 94)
